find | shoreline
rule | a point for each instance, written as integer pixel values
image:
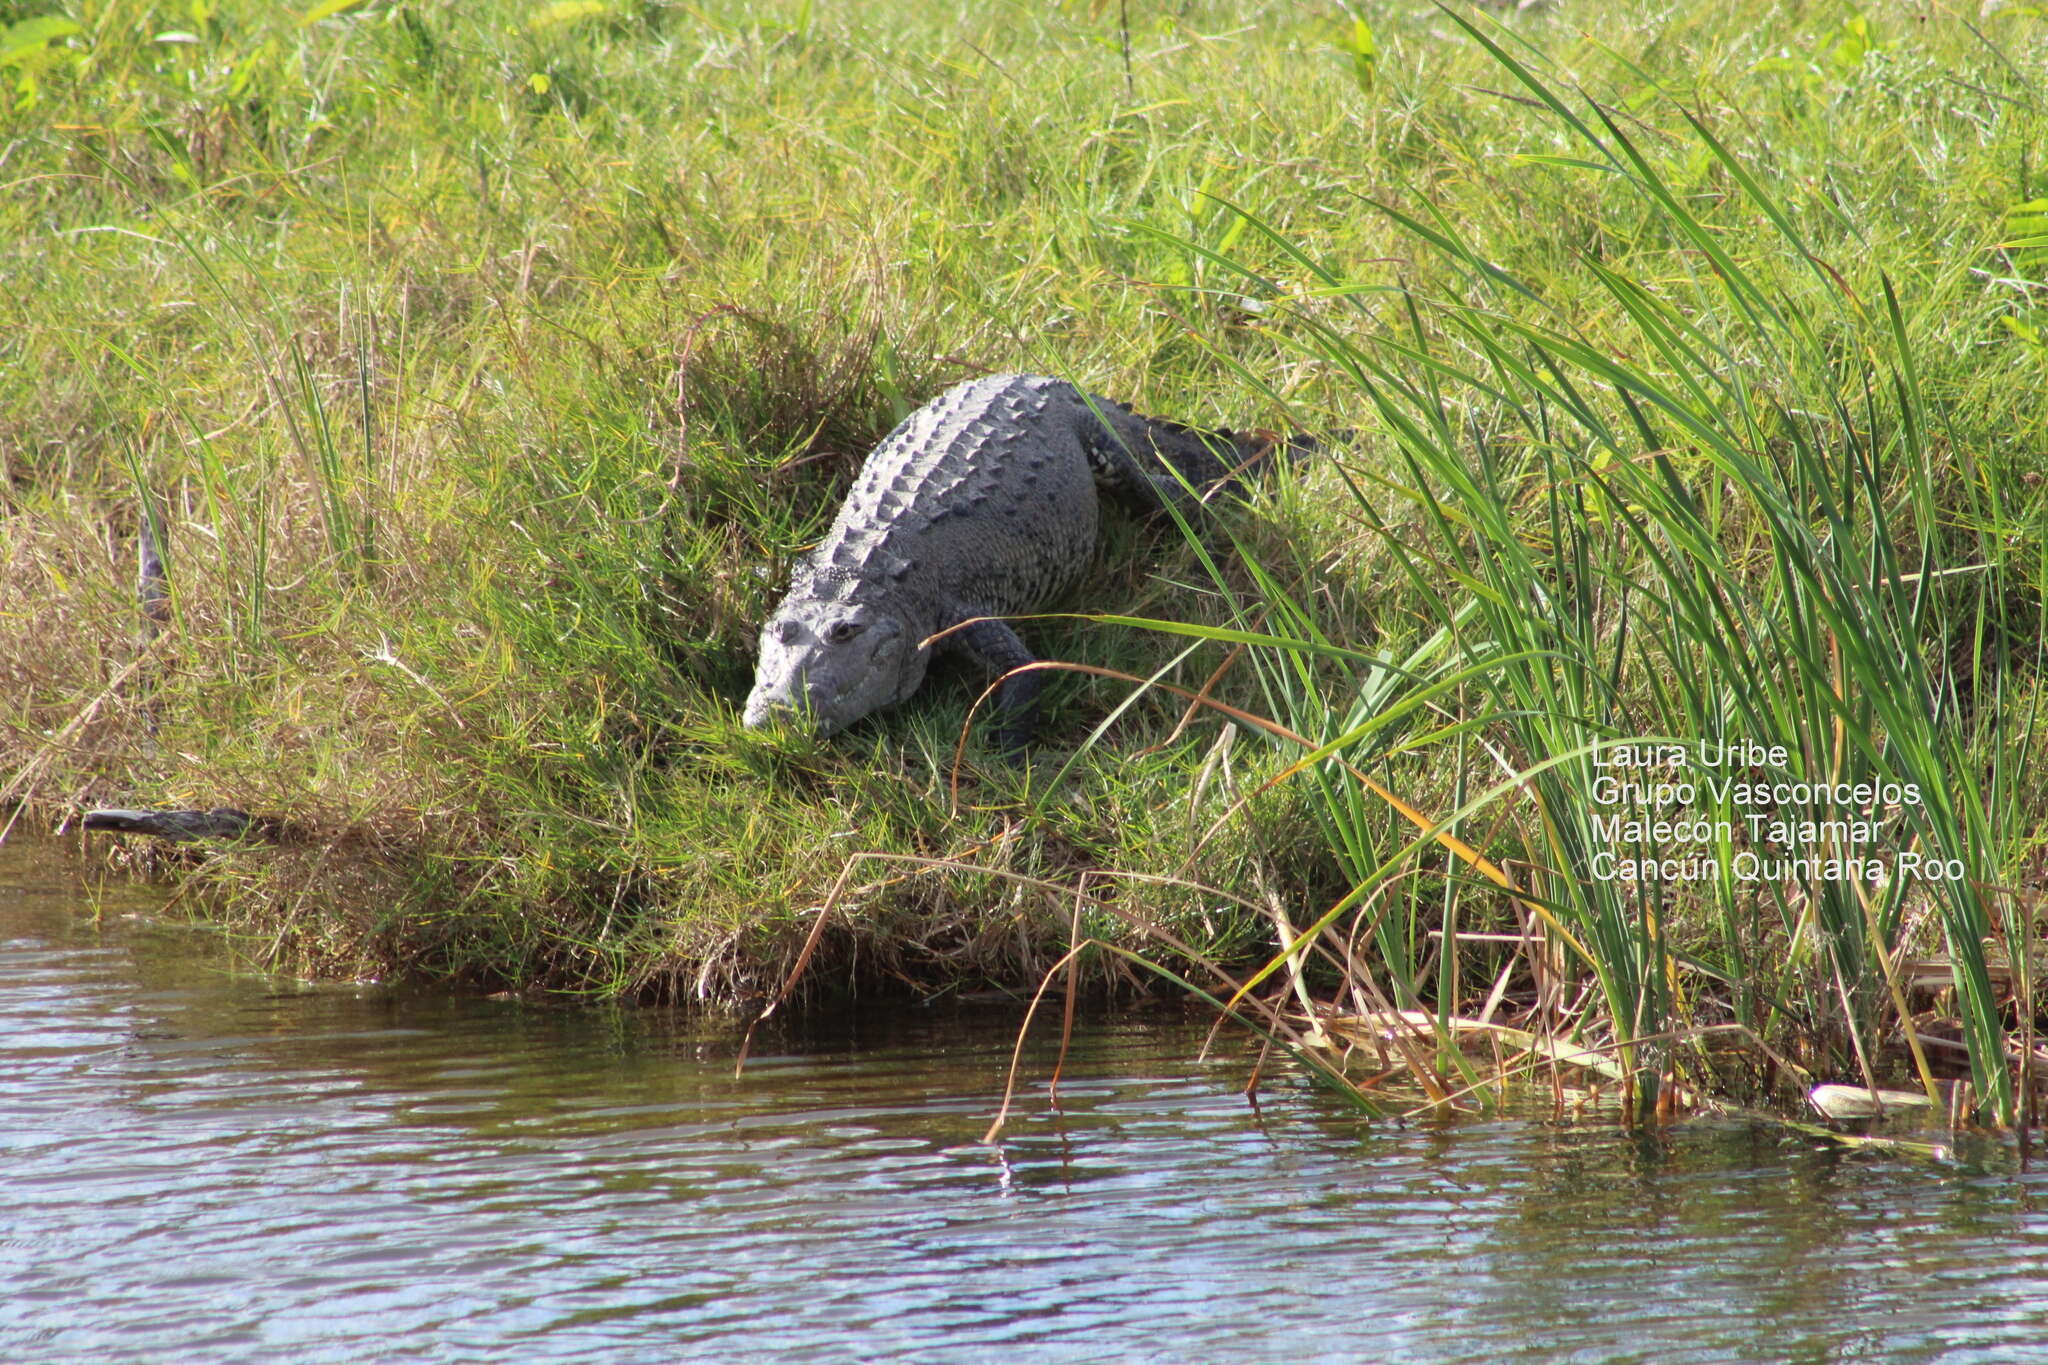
(415, 417)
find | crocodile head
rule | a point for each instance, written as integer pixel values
(826, 664)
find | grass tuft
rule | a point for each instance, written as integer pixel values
(483, 370)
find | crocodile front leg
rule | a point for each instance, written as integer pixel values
(1016, 699)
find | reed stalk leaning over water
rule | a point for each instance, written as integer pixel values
(489, 366)
(1710, 513)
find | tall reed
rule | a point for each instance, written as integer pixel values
(1729, 517)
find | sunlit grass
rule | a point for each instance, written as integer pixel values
(491, 365)
(1721, 513)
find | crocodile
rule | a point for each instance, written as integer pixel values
(222, 824)
(982, 504)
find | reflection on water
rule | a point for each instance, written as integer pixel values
(196, 1165)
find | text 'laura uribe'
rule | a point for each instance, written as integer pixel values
(1673, 812)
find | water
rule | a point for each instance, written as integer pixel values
(200, 1165)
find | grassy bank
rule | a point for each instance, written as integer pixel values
(488, 366)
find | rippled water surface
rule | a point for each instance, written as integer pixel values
(199, 1165)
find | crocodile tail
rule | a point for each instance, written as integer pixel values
(1156, 461)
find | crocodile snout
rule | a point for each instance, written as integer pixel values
(762, 709)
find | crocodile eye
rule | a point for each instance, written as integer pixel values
(839, 632)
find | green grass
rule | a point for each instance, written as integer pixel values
(491, 364)
(1721, 513)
